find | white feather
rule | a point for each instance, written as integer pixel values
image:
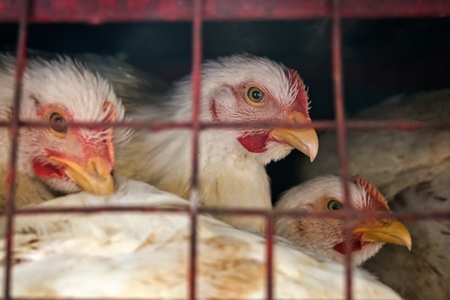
(138, 255)
(412, 168)
(228, 173)
(63, 83)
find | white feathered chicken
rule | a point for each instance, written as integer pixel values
(138, 255)
(425, 272)
(326, 236)
(58, 158)
(239, 88)
(413, 170)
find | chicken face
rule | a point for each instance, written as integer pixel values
(255, 89)
(326, 236)
(72, 158)
(69, 159)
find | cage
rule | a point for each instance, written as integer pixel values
(351, 54)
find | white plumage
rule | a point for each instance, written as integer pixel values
(412, 168)
(231, 161)
(59, 159)
(391, 159)
(326, 236)
(138, 255)
(425, 272)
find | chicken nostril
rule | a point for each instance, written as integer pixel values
(385, 221)
(98, 167)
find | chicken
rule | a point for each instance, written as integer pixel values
(392, 160)
(326, 236)
(59, 159)
(425, 272)
(413, 170)
(240, 88)
(138, 255)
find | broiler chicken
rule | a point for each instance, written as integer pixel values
(58, 159)
(391, 159)
(146, 255)
(239, 88)
(412, 169)
(426, 271)
(326, 236)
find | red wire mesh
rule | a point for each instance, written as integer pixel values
(198, 11)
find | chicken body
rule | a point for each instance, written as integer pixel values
(139, 255)
(425, 272)
(412, 169)
(239, 88)
(59, 159)
(326, 236)
(391, 159)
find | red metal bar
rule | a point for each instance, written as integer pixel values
(196, 97)
(269, 254)
(336, 47)
(102, 11)
(14, 129)
(319, 125)
(236, 211)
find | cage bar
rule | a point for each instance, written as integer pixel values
(319, 125)
(224, 211)
(102, 11)
(270, 231)
(14, 128)
(197, 46)
(338, 90)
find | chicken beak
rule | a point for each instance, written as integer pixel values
(94, 178)
(305, 140)
(393, 232)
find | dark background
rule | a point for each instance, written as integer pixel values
(381, 57)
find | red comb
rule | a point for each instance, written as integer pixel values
(301, 101)
(378, 200)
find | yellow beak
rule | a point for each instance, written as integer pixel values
(305, 140)
(393, 232)
(94, 178)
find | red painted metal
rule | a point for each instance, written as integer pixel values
(336, 55)
(14, 129)
(102, 11)
(433, 215)
(270, 231)
(196, 94)
(318, 125)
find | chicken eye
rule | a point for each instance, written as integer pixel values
(254, 94)
(58, 123)
(334, 205)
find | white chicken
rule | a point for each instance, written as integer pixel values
(326, 236)
(391, 159)
(425, 272)
(59, 159)
(412, 168)
(140, 255)
(240, 88)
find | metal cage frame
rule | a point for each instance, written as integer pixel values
(198, 11)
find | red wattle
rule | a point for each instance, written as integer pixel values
(355, 246)
(47, 170)
(255, 143)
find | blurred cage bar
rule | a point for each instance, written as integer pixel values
(101, 11)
